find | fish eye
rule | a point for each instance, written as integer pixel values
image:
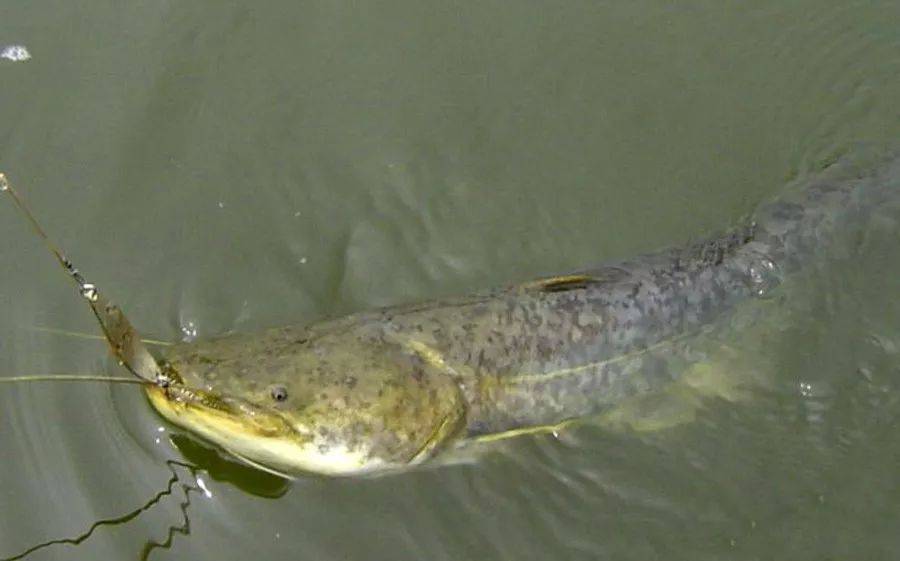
(278, 393)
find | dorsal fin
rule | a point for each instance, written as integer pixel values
(561, 283)
(576, 281)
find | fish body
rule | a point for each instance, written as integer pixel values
(391, 387)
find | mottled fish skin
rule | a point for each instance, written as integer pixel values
(398, 383)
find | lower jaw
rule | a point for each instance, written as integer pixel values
(161, 402)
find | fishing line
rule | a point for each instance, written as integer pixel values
(122, 337)
(154, 500)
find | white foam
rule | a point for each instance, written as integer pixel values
(15, 53)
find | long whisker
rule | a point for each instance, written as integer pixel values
(71, 378)
(80, 335)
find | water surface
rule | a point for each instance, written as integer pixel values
(222, 167)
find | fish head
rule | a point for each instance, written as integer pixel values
(340, 403)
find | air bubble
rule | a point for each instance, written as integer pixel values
(764, 276)
(188, 331)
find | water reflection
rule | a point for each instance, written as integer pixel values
(224, 469)
(175, 486)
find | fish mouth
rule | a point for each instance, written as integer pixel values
(255, 436)
(206, 412)
(268, 441)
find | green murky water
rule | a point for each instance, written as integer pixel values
(230, 166)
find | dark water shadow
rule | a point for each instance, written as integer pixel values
(223, 468)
